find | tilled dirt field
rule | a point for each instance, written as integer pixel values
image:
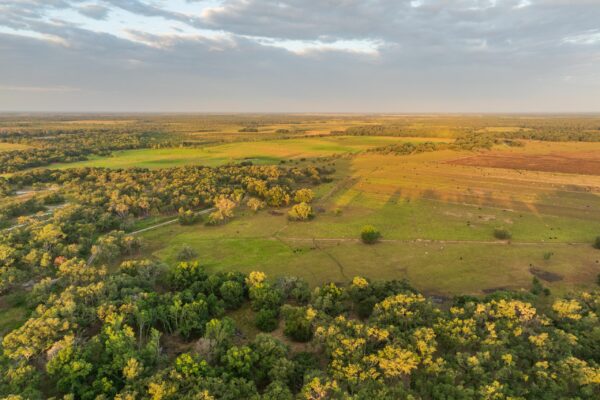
(586, 163)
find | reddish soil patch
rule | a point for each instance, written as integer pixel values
(586, 163)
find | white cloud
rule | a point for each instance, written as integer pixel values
(304, 55)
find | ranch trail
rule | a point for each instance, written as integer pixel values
(92, 257)
(168, 222)
(438, 241)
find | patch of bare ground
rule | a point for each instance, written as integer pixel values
(545, 275)
(583, 163)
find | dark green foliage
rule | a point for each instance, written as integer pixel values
(187, 217)
(267, 320)
(185, 274)
(265, 296)
(232, 293)
(370, 234)
(405, 149)
(186, 253)
(597, 243)
(294, 288)
(364, 308)
(298, 326)
(330, 299)
(502, 234)
(66, 146)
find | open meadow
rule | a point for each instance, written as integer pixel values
(437, 216)
(438, 210)
(258, 152)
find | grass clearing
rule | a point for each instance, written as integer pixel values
(13, 146)
(259, 152)
(12, 312)
(437, 221)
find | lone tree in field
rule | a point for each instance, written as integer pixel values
(370, 234)
(300, 212)
(502, 234)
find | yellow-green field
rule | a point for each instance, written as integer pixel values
(260, 152)
(13, 146)
(437, 211)
(437, 219)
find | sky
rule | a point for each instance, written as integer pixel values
(385, 56)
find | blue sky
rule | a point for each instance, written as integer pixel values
(300, 55)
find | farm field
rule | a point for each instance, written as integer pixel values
(437, 218)
(259, 152)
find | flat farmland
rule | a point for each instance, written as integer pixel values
(567, 158)
(437, 219)
(260, 152)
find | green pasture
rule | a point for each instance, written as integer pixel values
(259, 152)
(414, 249)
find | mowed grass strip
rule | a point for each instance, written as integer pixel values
(434, 267)
(271, 244)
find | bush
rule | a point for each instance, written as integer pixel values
(186, 253)
(597, 243)
(255, 204)
(298, 323)
(304, 196)
(267, 320)
(300, 212)
(364, 309)
(370, 234)
(264, 296)
(187, 217)
(232, 293)
(502, 234)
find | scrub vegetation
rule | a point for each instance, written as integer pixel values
(299, 256)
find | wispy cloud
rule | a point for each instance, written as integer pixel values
(281, 55)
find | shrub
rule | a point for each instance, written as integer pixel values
(300, 212)
(304, 196)
(502, 234)
(187, 217)
(267, 320)
(186, 253)
(232, 293)
(536, 286)
(364, 309)
(184, 274)
(298, 323)
(597, 243)
(370, 234)
(255, 204)
(224, 211)
(264, 296)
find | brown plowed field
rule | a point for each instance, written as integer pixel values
(587, 163)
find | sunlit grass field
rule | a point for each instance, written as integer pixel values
(437, 221)
(13, 146)
(259, 152)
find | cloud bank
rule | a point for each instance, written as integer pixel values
(300, 55)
